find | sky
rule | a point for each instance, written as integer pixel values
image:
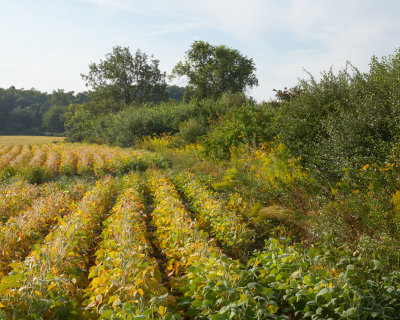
(48, 44)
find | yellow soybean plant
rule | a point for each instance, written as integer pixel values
(49, 282)
(126, 281)
(226, 226)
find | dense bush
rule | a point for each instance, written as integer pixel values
(191, 130)
(270, 176)
(344, 120)
(248, 124)
(123, 127)
(134, 122)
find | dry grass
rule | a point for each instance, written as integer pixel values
(14, 140)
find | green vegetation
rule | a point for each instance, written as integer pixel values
(132, 247)
(287, 209)
(344, 120)
(123, 78)
(31, 112)
(214, 70)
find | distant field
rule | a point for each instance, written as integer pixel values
(29, 139)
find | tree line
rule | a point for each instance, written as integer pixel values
(130, 98)
(34, 112)
(126, 80)
(339, 121)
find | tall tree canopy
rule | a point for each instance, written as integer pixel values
(123, 78)
(214, 70)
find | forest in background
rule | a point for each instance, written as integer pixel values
(32, 112)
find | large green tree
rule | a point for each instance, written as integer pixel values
(123, 78)
(214, 70)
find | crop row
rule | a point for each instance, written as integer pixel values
(15, 197)
(226, 226)
(49, 282)
(54, 281)
(31, 225)
(67, 159)
(98, 260)
(213, 285)
(126, 281)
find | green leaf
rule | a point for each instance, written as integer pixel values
(218, 317)
(197, 303)
(107, 314)
(323, 292)
(268, 292)
(350, 267)
(376, 264)
(350, 312)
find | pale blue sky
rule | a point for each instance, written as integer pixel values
(47, 44)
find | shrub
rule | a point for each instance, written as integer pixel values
(248, 124)
(191, 130)
(269, 174)
(122, 125)
(343, 120)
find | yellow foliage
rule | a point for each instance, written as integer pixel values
(396, 201)
(270, 165)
